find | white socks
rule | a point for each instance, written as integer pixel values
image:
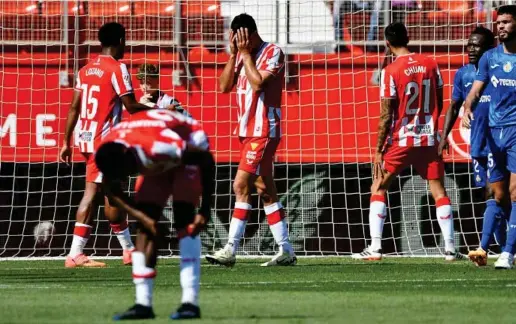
(377, 215)
(190, 268)
(237, 225)
(445, 218)
(143, 278)
(81, 234)
(124, 237)
(278, 225)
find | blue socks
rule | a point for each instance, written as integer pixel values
(493, 215)
(511, 236)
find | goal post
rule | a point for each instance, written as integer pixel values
(330, 112)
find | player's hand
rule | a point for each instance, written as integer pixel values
(467, 118)
(232, 43)
(66, 154)
(146, 100)
(243, 42)
(196, 227)
(443, 147)
(377, 166)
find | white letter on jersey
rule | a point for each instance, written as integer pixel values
(41, 130)
(9, 125)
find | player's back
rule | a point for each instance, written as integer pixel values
(413, 81)
(102, 82)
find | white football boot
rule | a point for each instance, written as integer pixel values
(283, 258)
(223, 257)
(454, 256)
(368, 254)
(505, 261)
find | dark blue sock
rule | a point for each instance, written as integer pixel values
(492, 214)
(511, 235)
(501, 229)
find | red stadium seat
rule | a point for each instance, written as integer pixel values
(18, 7)
(100, 8)
(154, 8)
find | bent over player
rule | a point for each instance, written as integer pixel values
(411, 100)
(171, 154)
(102, 86)
(497, 67)
(480, 40)
(257, 69)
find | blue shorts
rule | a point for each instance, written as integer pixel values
(502, 145)
(480, 171)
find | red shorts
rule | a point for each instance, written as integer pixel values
(424, 159)
(93, 174)
(182, 183)
(257, 154)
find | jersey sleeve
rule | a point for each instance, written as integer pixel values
(483, 69)
(457, 94)
(387, 85)
(121, 81)
(78, 83)
(273, 62)
(199, 140)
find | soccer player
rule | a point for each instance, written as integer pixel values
(102, 86)
(171, 154)
(257, 69)
(480, 40)
(497, 68)
(148, 76)
(411, 102)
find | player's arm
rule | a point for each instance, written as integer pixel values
(478, 87)
(131, 105)
(71, 121)
(258, 76)
(228, 78)
(384, 125)
(121, 82)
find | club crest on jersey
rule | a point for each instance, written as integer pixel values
(507, 67)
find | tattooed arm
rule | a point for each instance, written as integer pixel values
(384, 126)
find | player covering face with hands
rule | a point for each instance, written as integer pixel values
(411, 102)
(496, 70)
(171, 154)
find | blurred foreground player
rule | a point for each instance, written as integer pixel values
(411, 101)
(480, 40)
(257, 68)
(171, 154)
(148, 76)
(497, 67)
(102, 86)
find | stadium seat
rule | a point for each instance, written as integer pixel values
(154, 8)
(99, 8)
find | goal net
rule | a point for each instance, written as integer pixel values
(330, 112)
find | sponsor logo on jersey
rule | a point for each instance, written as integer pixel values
(254, 146)
(95, 71)
(141, 123)
(415, 69)
(494, 66)
(250, 157)
(86, 136)
(419, 129)
(468, 84)
(485, 98)
(503, 82)
(507, 67)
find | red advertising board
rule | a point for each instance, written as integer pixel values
(330, 108)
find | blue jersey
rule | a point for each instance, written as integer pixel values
(499, 69)
(463, 81)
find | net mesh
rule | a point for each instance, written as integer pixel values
(331, 106)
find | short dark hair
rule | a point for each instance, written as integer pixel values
(507, 10)
(147, 70)
(489, 37)
(244, 21)
(111, 33)
(115, 160)
(397, 34)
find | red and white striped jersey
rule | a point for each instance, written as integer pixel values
(413, 81)
(102, 82)
(159, 137)
(260, 112)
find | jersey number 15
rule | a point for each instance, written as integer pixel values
(89, 104)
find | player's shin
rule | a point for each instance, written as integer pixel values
(511, 234)
(123, 234)
(492, 216)
(377, 215)
(445, 218)
(81, 234)
(237, 225)
(190, 269)
(278, 225)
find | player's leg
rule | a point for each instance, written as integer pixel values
(152, 193)
(120, 227)
(266, 189)
(506, 259)
(84, 217)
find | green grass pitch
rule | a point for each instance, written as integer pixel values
(317, 290)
